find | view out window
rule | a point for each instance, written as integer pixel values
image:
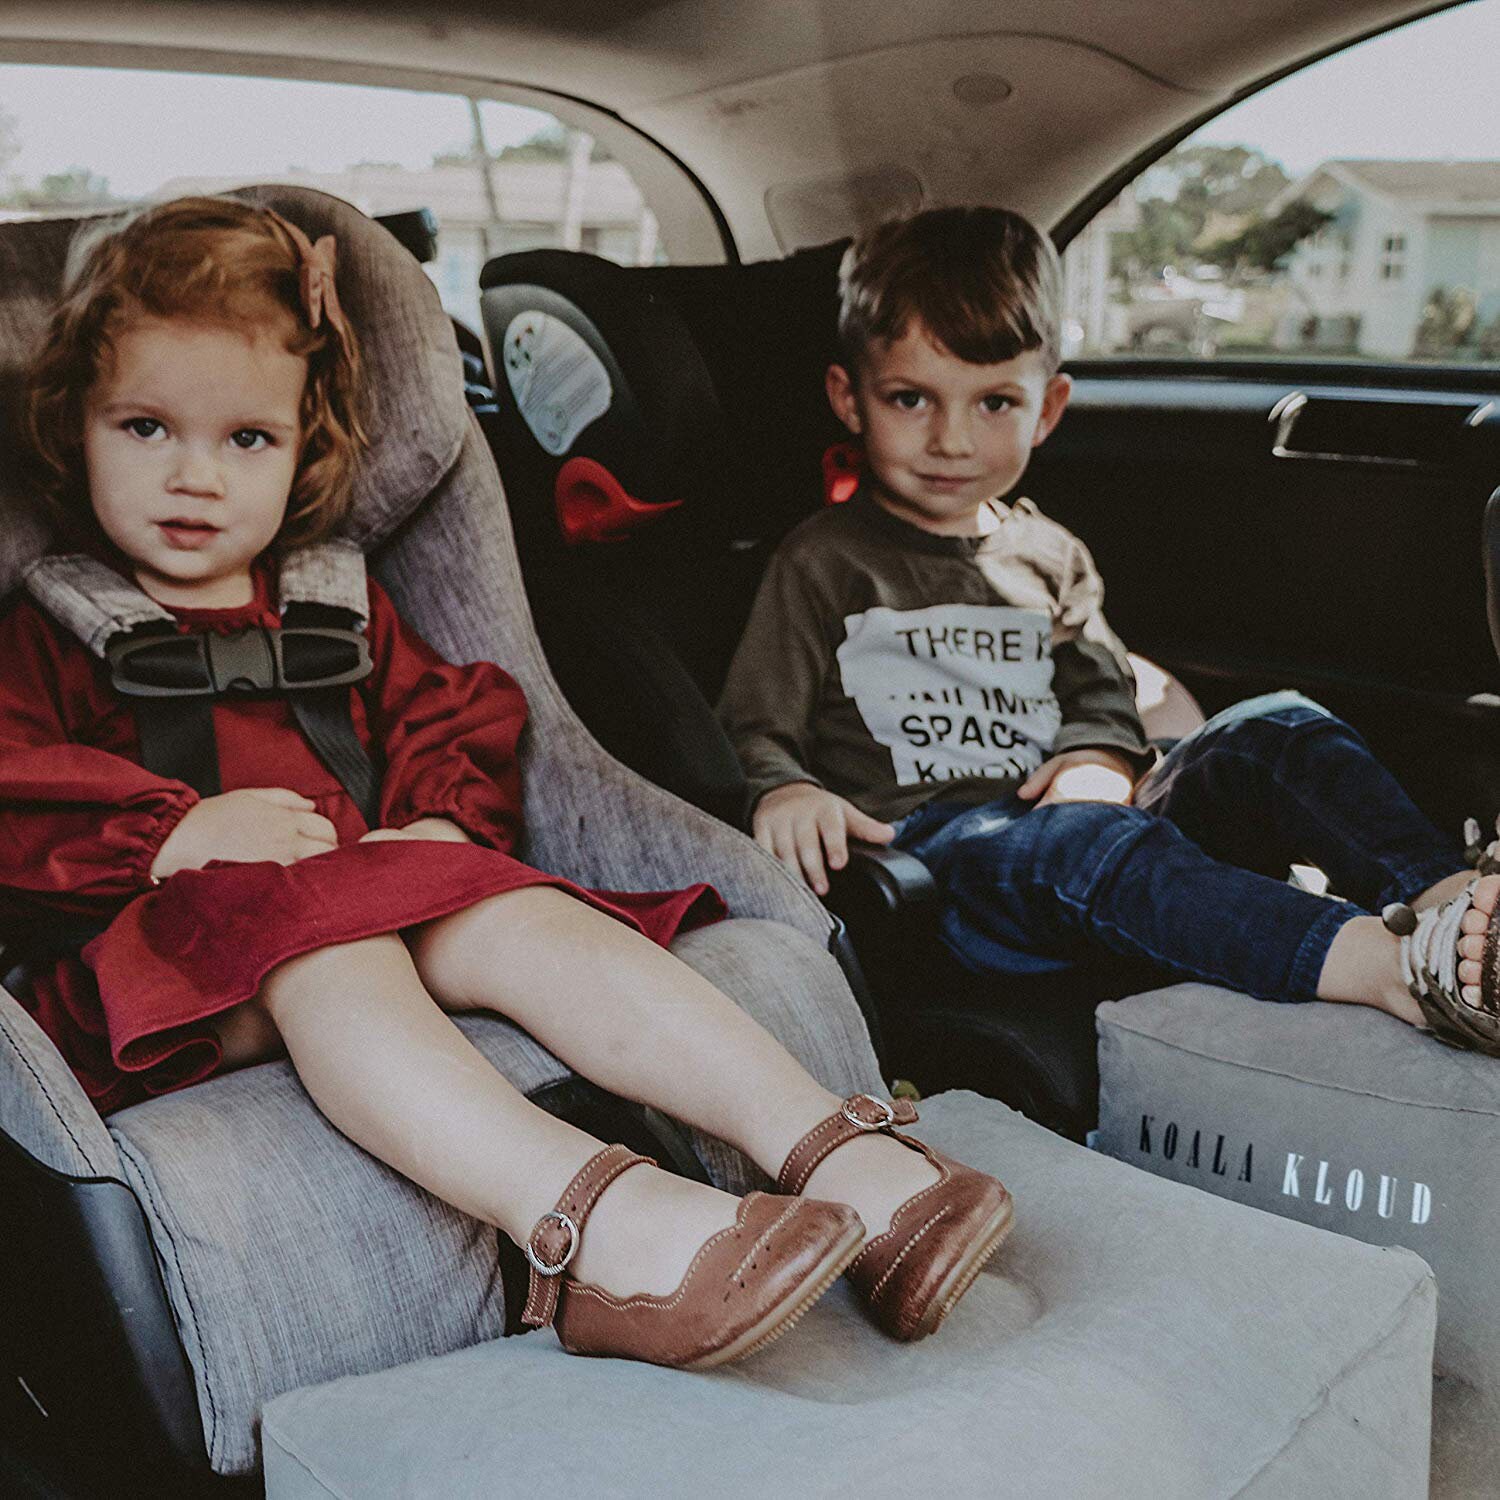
(1392, 257)
(1349, 211)
(498, 177)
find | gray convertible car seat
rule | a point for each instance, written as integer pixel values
(165, 1272)
(217, 1274)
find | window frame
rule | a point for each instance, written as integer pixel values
(690, 222)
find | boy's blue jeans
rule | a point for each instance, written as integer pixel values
(1193, 876)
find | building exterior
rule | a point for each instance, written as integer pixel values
(1407, 239)
(1089, 325)
(566, 202)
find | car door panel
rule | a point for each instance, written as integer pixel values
(1300, 527)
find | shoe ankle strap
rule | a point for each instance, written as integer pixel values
(858, 1115)
(553, 1241)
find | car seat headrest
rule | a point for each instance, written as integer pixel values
(415, 410)
(604, 385)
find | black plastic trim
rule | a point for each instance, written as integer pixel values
(86, 1324)
(842, 949)
(900, 880)
(1333, 374)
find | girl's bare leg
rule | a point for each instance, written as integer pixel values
(623, 1012)
(392, 1071)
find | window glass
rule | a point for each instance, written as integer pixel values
(1350, 211)
(498, 177)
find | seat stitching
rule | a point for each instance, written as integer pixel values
(1342, 1088)
(1320, 1401)
(128, 1152)
(47, 1095)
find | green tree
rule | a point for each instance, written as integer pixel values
(76, 187)
(1264, 243)
(1185, 192)
(1448, 321)
(10, 138)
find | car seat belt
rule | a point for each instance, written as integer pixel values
(172, 678)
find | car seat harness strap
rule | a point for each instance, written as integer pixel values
(173, 677)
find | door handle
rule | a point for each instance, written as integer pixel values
(1407, 432)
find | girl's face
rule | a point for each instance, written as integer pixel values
(191, 437)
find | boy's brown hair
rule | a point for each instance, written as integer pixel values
(220, 263)
(984, 282)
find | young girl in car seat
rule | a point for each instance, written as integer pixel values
(195, 409)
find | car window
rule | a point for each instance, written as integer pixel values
(497, 176)
(1349, 211)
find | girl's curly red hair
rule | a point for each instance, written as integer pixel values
(213, 261)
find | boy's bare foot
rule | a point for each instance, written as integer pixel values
(874, 1175)
(1471, 945)
(1363, 963)
(645, 1230)
(1445, 890)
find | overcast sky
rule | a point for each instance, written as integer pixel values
(1428, 90)
(138, 129)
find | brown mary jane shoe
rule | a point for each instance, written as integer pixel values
(746, 1286)
(939, 1239)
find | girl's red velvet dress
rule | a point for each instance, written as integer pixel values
(81, 823)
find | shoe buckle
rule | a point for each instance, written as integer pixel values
(847, 1109)
(537, 1263)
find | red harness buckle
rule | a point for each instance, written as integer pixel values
(592, 505)
(842, 465)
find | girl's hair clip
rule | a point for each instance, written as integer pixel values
(320, 293)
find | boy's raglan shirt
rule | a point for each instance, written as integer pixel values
(891, 665)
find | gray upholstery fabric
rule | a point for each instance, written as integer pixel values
(42, 1105)
(1132, 1340)
(417, 416)
(292, 1257)
(1355, 1123)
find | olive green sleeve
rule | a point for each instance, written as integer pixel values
(775, 679)
(1091, 673)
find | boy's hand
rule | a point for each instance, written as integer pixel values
(254, 823)
(1080, 776)
(808, 829)
(438, 829)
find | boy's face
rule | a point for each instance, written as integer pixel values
(942, 435)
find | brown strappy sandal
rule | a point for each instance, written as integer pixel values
(746, 1286)
(939, 1239)
(1429, 965)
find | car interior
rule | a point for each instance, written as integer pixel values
(609, 449)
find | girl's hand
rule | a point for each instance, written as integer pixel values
(1080, 776)
(808, 829)
(254, 823)
(439, 829)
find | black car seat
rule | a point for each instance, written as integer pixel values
(661, 428)
(606, 419)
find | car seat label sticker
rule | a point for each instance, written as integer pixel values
(559, 383)
(955, 689)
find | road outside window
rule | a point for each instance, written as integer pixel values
(1351, 211)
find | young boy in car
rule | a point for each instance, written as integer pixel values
(928, 666)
